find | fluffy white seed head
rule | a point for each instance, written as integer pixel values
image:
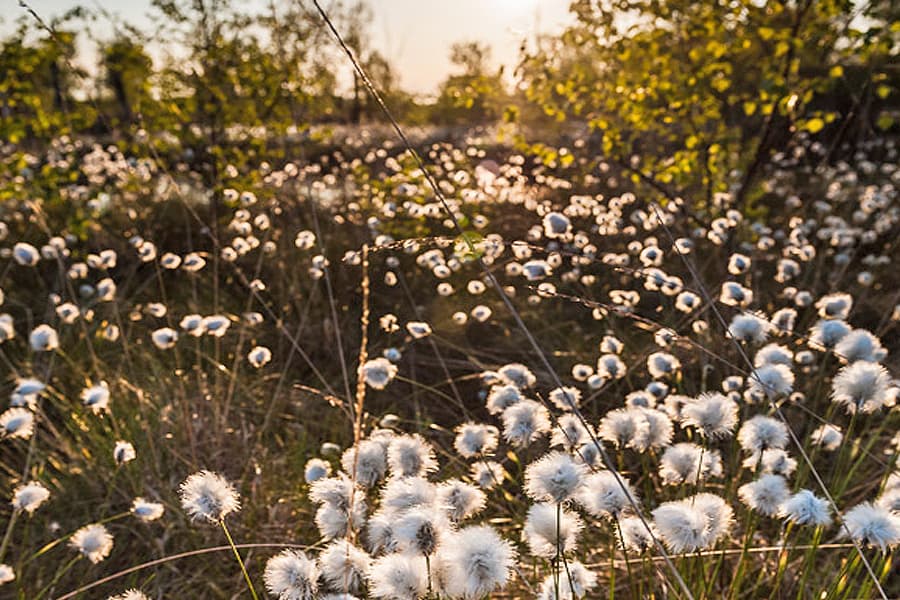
(410, 456)
(681, 464)
(365, 462)
(291, 575)
(862, 386)
(541, 527)
(525, 422)
(28, 497)
(475, 439)
(16, 422)
(207, 495)
(765, 495)
(576, 582)
(554, 477)
(145, 510)
(344, 565)
(605, 495)
(94, 542)
(398, 577)
(805, 508)
(872, 525)
(378, 372)
(474, 562)
(713, 414)
(762, 433)
(460, 500)
(131, 594)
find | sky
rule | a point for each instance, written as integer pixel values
(415, 35)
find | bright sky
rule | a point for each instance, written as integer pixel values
(415, 35)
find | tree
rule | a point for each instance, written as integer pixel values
(128, 70)
(692, 98)
(474, 95)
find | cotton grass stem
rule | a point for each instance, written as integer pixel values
(237, 555)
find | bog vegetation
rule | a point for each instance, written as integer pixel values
(626, 327)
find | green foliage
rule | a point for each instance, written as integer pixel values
(695, 96)
(476, 95)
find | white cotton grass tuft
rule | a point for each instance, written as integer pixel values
(734, 294)
(805, 508)
(695, 523)
(94, 542)
(123, 452)
(518, 375)
(460, 500)
(291, 575)
(773, 460)
(25, 254)
(890, 500)
(544, 534)
(624, 427)
(488, 474)
(835, 306)
(603, 494)
(828, 437)
(681, 464)
(775, 354)
(872, 525)
(259, 356)
(635, 535)
(7, 574)
(576, 582)
(718, 514)
(475, 439)
(765, 495)
(316, 469)
(420, 529)
(554, 477)
(408, 492)
(43, 338)
(335, 521)
(663, 364)
(750, 328)
(680, 526)
(610, 366)
(96, 397)
(771, 380)
(474, 562)
(16, 423)
(344, 565)
(566, 398)
(525, 422)
(366, 462)
(501, 397)
(714, 415)
(164, 338)
(862, 386)
(131, 594)
(398, 577)
(29, 496)
(410, 456)
(418, 329)
(826, 334)
(860, 345)
(762, 433)
(207, 495)
(570, 433)
(146, 510)
(378, 372)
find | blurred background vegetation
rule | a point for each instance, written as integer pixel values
(692, 99)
